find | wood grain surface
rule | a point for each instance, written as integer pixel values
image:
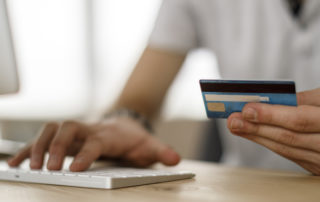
(212, 183)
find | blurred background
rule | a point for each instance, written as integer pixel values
(74, 57)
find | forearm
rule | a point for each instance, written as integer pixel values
(148, 83)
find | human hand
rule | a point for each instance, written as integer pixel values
(292, 132)
(120, 138)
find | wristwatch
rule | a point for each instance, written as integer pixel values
(123, 112)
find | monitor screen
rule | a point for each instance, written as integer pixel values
(8, 72)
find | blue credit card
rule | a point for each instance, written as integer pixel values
(224, 97)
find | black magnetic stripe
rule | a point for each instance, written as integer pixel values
(248, 88)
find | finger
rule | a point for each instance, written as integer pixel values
(284, 150)
(60, 143)
(20, 156)
(91, 151)
(311, 97)
(313, 168)
(150, 151)
(305, 141)
(304, 118)
(74, 148)
(168, 156)
(41, 145)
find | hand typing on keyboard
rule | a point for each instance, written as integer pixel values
(120, 138)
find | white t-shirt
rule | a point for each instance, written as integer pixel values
(252, 39)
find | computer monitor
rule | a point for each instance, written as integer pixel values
(8, 71)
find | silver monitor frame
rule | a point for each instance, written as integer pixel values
(8, 70)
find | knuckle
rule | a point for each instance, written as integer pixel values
(70, 124)
(300, 123)
(271, 115)
(94, 138)
(36, 149)
(57, 146)
(70, 127)
(57, 143)
(97, 142)
(255, 129)
(52, 125)
(252, 129)
(113, 127)
(288, 138)
(267, 116)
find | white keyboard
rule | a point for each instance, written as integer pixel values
(106, 177)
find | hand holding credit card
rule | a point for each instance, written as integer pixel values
(224, 97)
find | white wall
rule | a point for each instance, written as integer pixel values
(58, 76)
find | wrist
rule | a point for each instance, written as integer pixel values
(128, 113)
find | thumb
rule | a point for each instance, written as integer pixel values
(310, 97)
(168, 157)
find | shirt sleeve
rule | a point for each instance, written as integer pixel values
(174, 29)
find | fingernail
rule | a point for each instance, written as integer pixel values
(236, 124)
(250, 114)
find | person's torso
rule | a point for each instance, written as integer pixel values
(261, 39)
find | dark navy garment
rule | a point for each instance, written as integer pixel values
(296, 7)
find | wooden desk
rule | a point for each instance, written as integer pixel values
(212, 183)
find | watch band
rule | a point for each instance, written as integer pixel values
(123, 112)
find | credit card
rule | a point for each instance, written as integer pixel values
(224, 97)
